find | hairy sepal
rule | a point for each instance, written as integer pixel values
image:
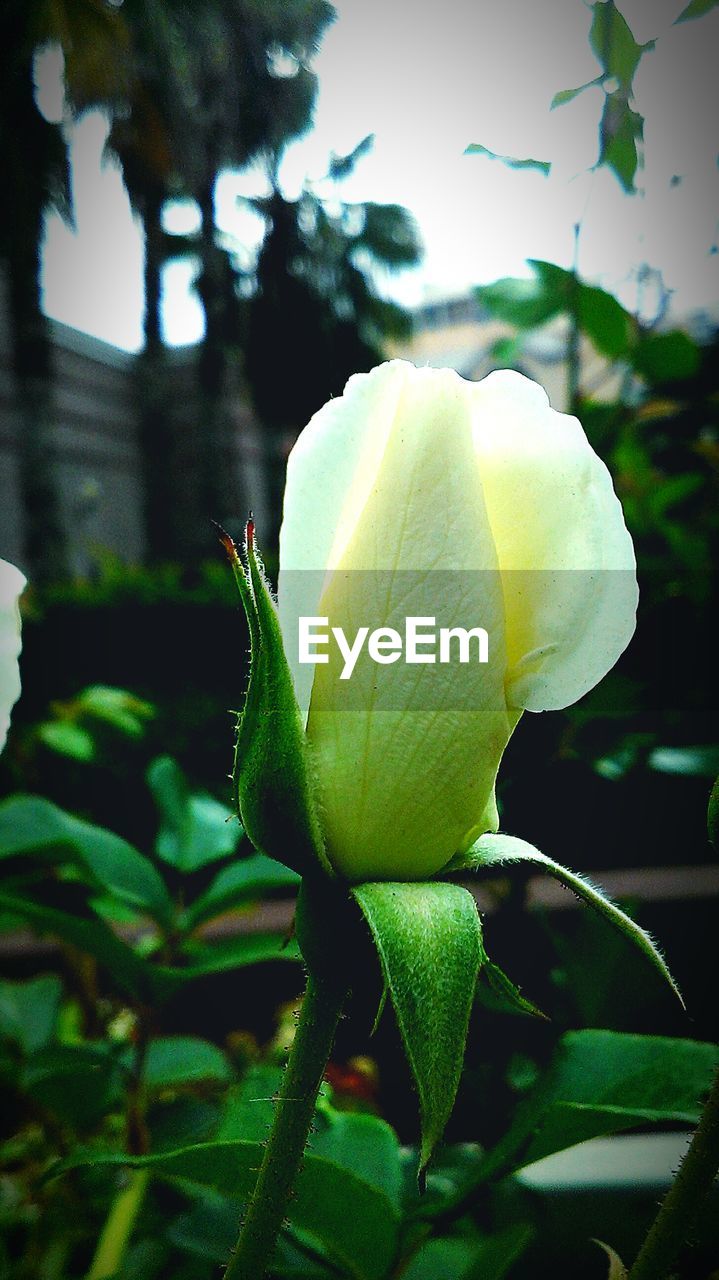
(272, 774)
(428, 937)
(496, 850)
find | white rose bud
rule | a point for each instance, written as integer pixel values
(419, 493)
(12, 585)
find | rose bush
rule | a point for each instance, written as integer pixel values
(12, 585)
(418, 488)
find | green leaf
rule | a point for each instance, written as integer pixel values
(250, 1105)
(67, 739)
(508, 993)
(429, 943)
(179, 1060)
(128, 970)
(667, 357)
(352, 1222)
(613, 43)
(475, 1257)
(29, 824)
(364, 1144)
(696, 9)
(116, 707)
(29, 1011)
(524, 303)
(619, 131)
(476, 149)
(602, 1082)
(446, 1256)
(272, 771)
(496, 1255)
(495, 850)
(599, 314)
(195, 829)
(568, 95)
(222, 957)
(605, 321)
(242, 881)
(78, 1083)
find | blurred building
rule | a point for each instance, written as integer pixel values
(459, 333)
(97, 454)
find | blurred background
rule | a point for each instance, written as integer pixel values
(214, 214)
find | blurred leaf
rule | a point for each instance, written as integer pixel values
(236, 953)
(605, 321)
(242, 881)
(676, 489)
(696, 9)
(342, 166)
(116, 707)
(613, 43)
(476, 149)
(448, 1256)
(496, 1255)
(207, 1230)
(195, 829)
(78, 1083)
(429, 942)
(619, 131)
(183, 1119)
(568, 95)
(352, 1222)
(31, 825)
(475, 1257)
(363, 1144)
(250, 1105)
(127, 969)
(67, 739)
(524, 303)
(390, 235)
(29, 1011)
(601, 1082)
(506, 352)
(666, 357)
(599, 314)
(700, 761)
(180, 1060)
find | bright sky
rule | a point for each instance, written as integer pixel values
(428, 80)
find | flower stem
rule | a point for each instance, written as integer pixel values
(311, 1048)
(681, 1206)
(112, 1245)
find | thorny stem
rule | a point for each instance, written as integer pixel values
(683, 1201)
(267, 1208)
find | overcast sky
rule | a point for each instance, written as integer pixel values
(427, 80)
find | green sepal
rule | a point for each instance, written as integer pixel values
(429, 941)
(502, 985)
(494, 850)
(272, 776)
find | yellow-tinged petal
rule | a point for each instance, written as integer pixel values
(421, 546)
(566, 558)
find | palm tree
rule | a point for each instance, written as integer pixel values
(316, 313)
